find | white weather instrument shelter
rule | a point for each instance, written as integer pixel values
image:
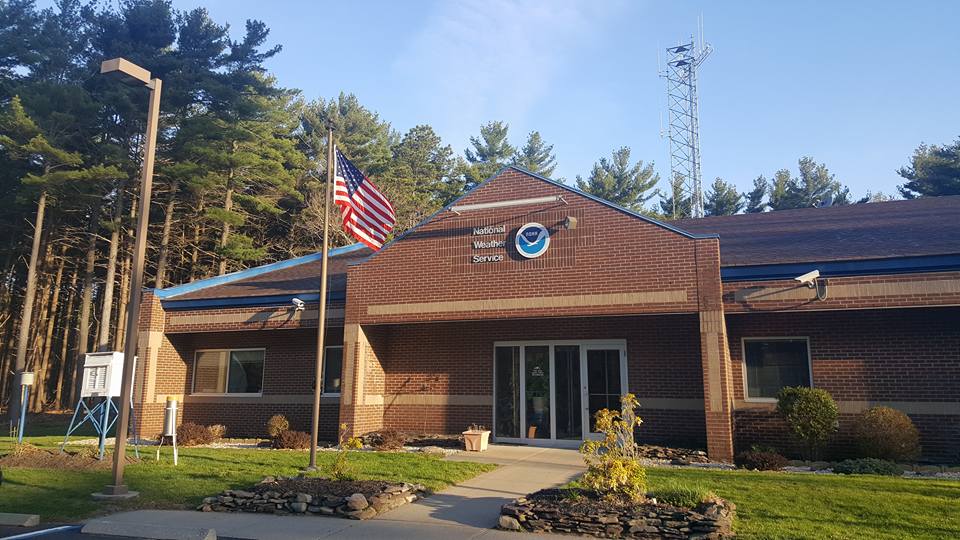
(101, 381)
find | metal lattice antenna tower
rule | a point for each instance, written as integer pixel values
(684, 124)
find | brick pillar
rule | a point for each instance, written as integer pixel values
(715, 353)
(148, 413)
(361, 397)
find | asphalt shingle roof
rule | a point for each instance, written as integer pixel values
(917, 227)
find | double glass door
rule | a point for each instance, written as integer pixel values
(550, 391)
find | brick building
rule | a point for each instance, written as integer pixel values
(527, 306)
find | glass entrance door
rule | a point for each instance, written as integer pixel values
(604, 382)
(548, 392)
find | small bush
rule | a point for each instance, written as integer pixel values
(276, 425)
(292, 440)
(192, 434)
(761, 460)
(388, 439)
(341, 468)
(613, 465)
(885, 433)
(682, 494)
(811, 414)
(218, 431)
(868, 466)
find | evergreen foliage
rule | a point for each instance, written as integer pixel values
(536, 156)
(933, 171)
(723, 199)
(620, 182)
(678, 204)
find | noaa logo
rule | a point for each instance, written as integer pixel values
(532, 240)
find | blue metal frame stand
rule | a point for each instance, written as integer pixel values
(99, 418)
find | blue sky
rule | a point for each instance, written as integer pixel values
(857, 85)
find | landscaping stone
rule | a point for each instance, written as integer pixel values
(554, 511)
(315, 496)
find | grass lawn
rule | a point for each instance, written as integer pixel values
(791, 505)
(65, 495)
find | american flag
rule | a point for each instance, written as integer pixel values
(367, 214)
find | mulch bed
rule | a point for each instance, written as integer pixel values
(320, 487)
(584, 513)
(30, 457)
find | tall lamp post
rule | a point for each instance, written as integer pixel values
(134, 75)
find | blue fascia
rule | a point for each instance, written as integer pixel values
(170, 292)
(274, 300)
(894, 265)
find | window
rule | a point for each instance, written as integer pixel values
(237, 371)
(773, 363)
(332, 369)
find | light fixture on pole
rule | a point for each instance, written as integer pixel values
(129, 73)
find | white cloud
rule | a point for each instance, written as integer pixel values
(479, 60)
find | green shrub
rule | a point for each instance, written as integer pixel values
(761, 460)
(811, 415)
(341, 469)
(277, 424)
(682, 494)
(868, 466)
(613, 464)
(292, 440)
(192, 434)
(885, 433)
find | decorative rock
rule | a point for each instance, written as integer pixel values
(433, 451)
(303, 497)
(509, 523)
(298, 507)
(357, 501)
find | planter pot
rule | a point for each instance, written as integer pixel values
(476, 441)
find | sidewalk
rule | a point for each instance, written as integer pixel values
(466, 511)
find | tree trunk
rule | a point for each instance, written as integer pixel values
(225, 235)
(103, 341)
(165, 236)
(121, 325)
(27, 312)
(66, 326)
(86, 304)
(43, 369)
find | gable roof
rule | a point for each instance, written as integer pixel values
(571, 189)
(924, 227)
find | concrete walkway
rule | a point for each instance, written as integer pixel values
(464, 511)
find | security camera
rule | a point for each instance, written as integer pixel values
(809, 279)
(298, 304)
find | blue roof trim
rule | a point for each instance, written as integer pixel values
(896, 265)
(170, 292)
(275, 300)
(552, 182)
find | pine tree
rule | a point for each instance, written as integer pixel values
(933, 171)
(536, 156)
(419, 181)
(678, 204)
(755, 202)
(490, 152)
(779, 190)
(619, 182)
(815, 186)
(723, 199)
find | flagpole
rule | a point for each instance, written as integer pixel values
(322, 308)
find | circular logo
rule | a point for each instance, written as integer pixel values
(532, 240)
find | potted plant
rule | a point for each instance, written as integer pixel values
(475, 438)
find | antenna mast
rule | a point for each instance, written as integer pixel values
(683, 117)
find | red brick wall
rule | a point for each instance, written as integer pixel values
(841, 299)
(457, 359)
(608, 252)
(289, 365)
(902, 355)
